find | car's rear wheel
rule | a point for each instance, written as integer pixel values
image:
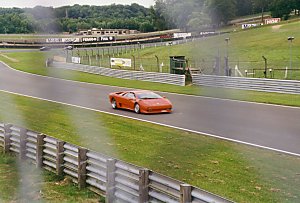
(114, 103)
(137, 108)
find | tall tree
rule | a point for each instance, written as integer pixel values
(263, 5)
(158, 12)
(186, 15)
(221, 11)
(281, 8)
(297, 6)
(244, 7)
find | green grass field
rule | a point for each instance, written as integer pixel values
(238, 172)
(22, 182)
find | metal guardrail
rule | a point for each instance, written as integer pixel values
(257, 84)
(117, 180)
(125, 74)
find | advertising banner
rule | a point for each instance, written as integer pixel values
(62, 40)
(182, 35)
(272, 21)
(106, 39)
(207, 33)
(76, 60)
(245, 26)
(53, 40)
(70, 40)
(120, 62)
(89, 39)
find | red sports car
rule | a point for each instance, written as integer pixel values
(140, 102)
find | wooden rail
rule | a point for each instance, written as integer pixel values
(117, 180)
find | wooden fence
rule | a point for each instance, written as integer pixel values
(117, 180)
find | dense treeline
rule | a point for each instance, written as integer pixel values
(74, 18)
(199, 14)
(165, 14)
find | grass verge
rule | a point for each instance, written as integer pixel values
(238, 172)
(33, 62)
(22, 182)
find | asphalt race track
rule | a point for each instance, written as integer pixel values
(269, 126)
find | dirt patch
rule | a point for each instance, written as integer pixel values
(276, 27)
(9, 58)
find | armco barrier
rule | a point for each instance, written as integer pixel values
(117, 180)
(258, 84)
(125, 74)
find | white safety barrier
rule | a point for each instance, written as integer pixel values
(257, 84)
(167, 78)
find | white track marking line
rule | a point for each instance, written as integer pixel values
(161, 124)
(188, 95)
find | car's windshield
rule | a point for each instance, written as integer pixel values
(148, 95)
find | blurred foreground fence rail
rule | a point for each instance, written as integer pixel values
(117, 180)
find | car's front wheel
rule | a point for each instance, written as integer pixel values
(137, 108)
(114, 103)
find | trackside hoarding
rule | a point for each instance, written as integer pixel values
(121, 62)
(245, 26)
(76, 60)
(272, 21)
(182, 35)
(62, 40)
(83, 39)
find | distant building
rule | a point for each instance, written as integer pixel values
(114, 32)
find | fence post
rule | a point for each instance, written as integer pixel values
(90, 60)
(23, 140)
(82, 158)
(185, 193)
(266, 66)
(39, 150)
(143, 185)
(133, 61)
(109, 61)
(7, 135)
(157, 62)
(110, 180)
(59, 157)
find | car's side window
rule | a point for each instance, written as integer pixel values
(132, 96)
(129, 95)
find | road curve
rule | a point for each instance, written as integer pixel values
(269, 126)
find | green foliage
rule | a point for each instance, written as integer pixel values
(186, 15)
(244, 7)
(14, 23)
(282, 8)
(165, 14)
(74, 18)
(221, 11)
(201, 14)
